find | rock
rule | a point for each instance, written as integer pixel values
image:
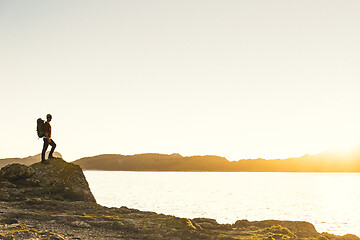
(7, 237)
(277, 232)
(6, 184)
(65, 178)
(350, 237)
(326, 236)
(129, 225)
(252, 228)
(207, 220)
(9, 220)
(31, 181)
(208, 223)
(10, 226)
(57, 180)
(80, 224)
(322, 237)
(16, 171)
(277, 236)
(242, 223)
(299, 228)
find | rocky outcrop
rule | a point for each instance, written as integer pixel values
(299, 228)
(66, 176)
(56, 180)
(16, 171)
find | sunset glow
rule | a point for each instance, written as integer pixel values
(180, 119)
(247, 79)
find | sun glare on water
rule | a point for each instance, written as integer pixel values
(337, 193)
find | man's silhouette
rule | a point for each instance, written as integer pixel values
(47, 140)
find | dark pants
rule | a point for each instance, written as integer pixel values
(46, 144)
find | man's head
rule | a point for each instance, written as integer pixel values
(48, 117)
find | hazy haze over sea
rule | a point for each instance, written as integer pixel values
(327, 200)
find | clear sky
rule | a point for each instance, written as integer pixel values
(239, 79)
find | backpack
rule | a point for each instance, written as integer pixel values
(40, 128)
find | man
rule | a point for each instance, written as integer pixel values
(47, 140)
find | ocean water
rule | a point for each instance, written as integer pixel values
(330, 201)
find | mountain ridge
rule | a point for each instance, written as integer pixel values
(323, 162)
(26, 160)
(327, 161)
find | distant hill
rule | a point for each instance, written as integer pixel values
(324, 162)
(27, 161)
(153, 162)
(328, 161)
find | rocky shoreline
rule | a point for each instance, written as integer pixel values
(54, 201)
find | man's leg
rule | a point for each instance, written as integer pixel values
(46, 144)
(53, 146)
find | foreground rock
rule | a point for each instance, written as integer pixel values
(16, 171)
(66, 177)
(54, 202)
(57, 180)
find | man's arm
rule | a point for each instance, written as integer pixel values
(47, 135)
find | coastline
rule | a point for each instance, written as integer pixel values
(54, 201)
(54, 219)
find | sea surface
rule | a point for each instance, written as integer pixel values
(330, 201)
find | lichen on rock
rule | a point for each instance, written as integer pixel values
(16, 171)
